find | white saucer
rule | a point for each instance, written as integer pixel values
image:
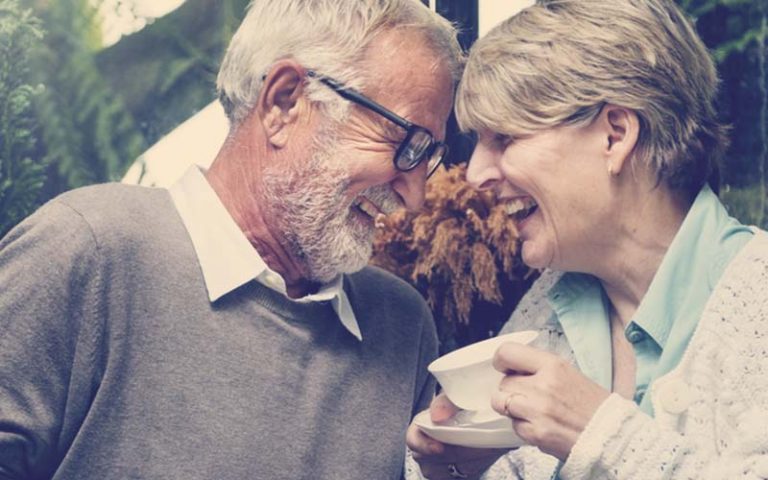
(486, 432)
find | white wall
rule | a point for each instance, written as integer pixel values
(492, 12)
(196, 141)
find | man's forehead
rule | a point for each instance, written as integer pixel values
(403, 57)
(406, 75)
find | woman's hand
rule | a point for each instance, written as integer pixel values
(439, 461)
(549, 400)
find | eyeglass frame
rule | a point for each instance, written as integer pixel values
(411, 128)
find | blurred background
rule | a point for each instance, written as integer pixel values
(123, 90)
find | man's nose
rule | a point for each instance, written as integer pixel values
(411, 187)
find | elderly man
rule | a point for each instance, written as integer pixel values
(217, 329)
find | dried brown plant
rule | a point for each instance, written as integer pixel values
(460, 252)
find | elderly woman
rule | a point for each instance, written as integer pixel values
(597, 117)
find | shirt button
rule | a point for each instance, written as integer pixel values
(634, 334)
(639, 394)
(675, 397)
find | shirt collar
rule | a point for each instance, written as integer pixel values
(228, 260)
(579, 305)
(675, 297)
(682, 279)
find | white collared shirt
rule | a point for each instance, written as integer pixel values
(227, 258)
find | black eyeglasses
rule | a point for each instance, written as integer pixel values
(418, 145)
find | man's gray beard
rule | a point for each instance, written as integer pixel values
(310, 210)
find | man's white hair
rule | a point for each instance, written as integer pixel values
(330, 36)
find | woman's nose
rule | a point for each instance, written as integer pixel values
(482, 171)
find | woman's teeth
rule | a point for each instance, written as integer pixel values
(521, 208)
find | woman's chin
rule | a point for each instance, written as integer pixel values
(534, 256)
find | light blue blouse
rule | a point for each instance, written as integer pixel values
(668, 314)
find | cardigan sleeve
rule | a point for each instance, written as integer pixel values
(622, 442)
(48, 338)
(711, 411)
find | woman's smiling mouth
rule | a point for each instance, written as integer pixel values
(520, 208)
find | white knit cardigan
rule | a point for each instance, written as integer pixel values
(710, 412)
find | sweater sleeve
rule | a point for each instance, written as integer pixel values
(48, 339)
(425, 382)
(623, 442)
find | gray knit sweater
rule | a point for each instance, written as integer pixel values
(114, 364)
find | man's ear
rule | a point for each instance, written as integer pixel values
(620, 129)
(281, 101)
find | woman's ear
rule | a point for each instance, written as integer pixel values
(620, 128)
(281, 101)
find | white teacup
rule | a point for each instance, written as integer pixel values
(467, 374)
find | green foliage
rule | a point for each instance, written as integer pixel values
(100, 108)
(746, 203)
(736, 32)
(744, 26)
(697, 8)
(21, 177)
(89, 136)
(753, 36)
(178, 78)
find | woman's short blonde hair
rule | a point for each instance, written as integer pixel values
(559, 61)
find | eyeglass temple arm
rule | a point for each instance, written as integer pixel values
(356, 97)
